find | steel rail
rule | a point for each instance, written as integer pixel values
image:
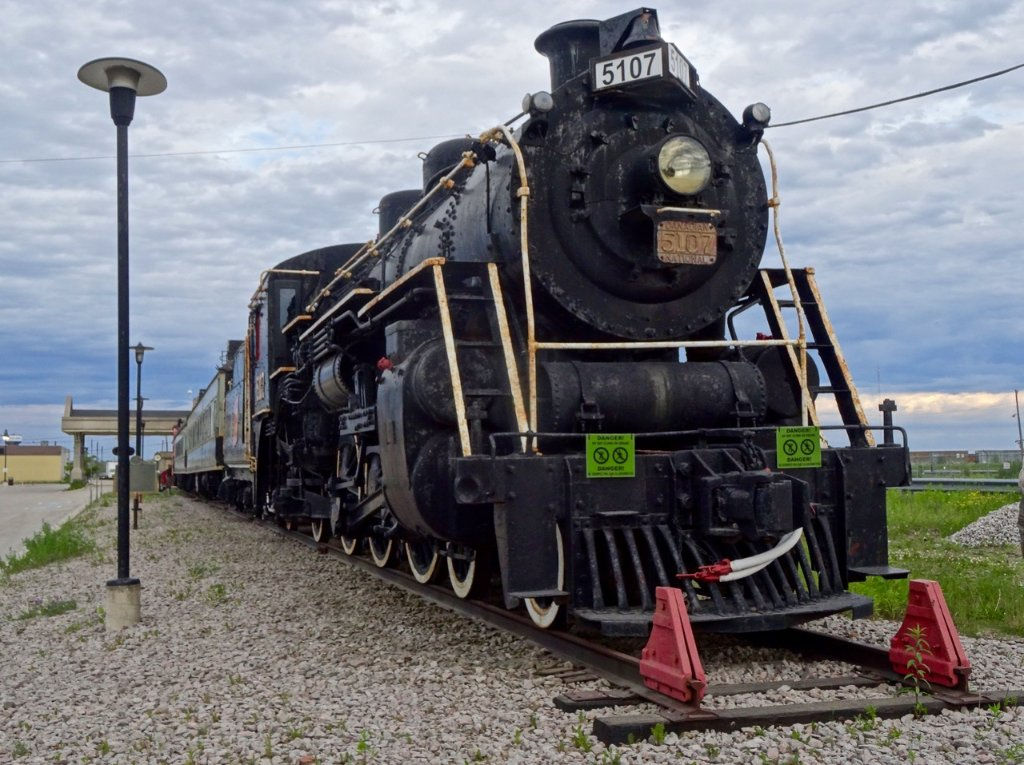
(871, 669)
(615, 666)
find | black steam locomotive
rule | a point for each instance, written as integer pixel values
(493, 384)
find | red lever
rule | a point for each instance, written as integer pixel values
(710, 573)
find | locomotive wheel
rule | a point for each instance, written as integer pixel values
(319, 528)
(349, 545)
(423, 558)
(381, 551)
(467, 577)
(382, 548)
(544, 611)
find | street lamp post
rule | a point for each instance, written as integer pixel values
(123, 79)
(140, 351)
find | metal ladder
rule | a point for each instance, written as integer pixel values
(840, 382)
(500, 338)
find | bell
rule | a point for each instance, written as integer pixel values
(642, 31)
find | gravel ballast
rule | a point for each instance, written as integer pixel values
(996, 528)
(256, 649)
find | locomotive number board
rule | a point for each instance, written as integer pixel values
(641, 65)
(687, 242)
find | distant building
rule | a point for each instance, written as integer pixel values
(998, 455)
(942, 457)
(34, 464)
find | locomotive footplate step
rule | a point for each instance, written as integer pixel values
(637, 623)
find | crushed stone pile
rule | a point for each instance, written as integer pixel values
(997, 528)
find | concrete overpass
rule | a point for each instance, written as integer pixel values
(80, 423)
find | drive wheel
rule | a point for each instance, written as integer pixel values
(544, 611)
(467, 571)
(423, 557)
(319, 528)
(380, 540)
(381, 551)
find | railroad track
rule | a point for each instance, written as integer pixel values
(622, 670)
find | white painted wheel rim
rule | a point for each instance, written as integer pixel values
(425, 574)
(316, 528)
(349, 544)
(381, 557)
(461, 586)
(544, 615)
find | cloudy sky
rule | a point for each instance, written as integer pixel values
(911, 215)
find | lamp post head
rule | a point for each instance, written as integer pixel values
(124, 79)
(140, 351)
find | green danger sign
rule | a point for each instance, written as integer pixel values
(798, 447)
(611, 455)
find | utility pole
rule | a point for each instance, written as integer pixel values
(1020, 435)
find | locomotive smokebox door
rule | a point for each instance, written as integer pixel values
(531, 558)
(681, 236)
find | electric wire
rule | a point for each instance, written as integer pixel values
(899, 100)
(299, 147)
(240, 151)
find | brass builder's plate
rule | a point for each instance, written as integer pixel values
(687, 242)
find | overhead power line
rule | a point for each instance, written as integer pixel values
(899, 100)
(241, 151)
(369, 141)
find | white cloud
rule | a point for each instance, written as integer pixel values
(910, 215)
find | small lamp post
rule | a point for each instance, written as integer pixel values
(9, 438)
(123, 79)
(140, 351)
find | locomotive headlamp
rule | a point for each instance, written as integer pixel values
(684, 165)
(541, 101)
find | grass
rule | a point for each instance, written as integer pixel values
(50, 608)
(50, 545)
(982, 585)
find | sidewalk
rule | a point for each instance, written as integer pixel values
(25, 507)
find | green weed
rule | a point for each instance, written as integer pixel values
(915, 680)
(867, 720)
(658, 733)
(581, 740)
(50, 608)
(197, 571)
(48, 546)
(216, 594)
(1012, 755)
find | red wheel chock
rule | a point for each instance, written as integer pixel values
(670, 663)
(942, 654)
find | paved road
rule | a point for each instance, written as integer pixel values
(25, 507)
